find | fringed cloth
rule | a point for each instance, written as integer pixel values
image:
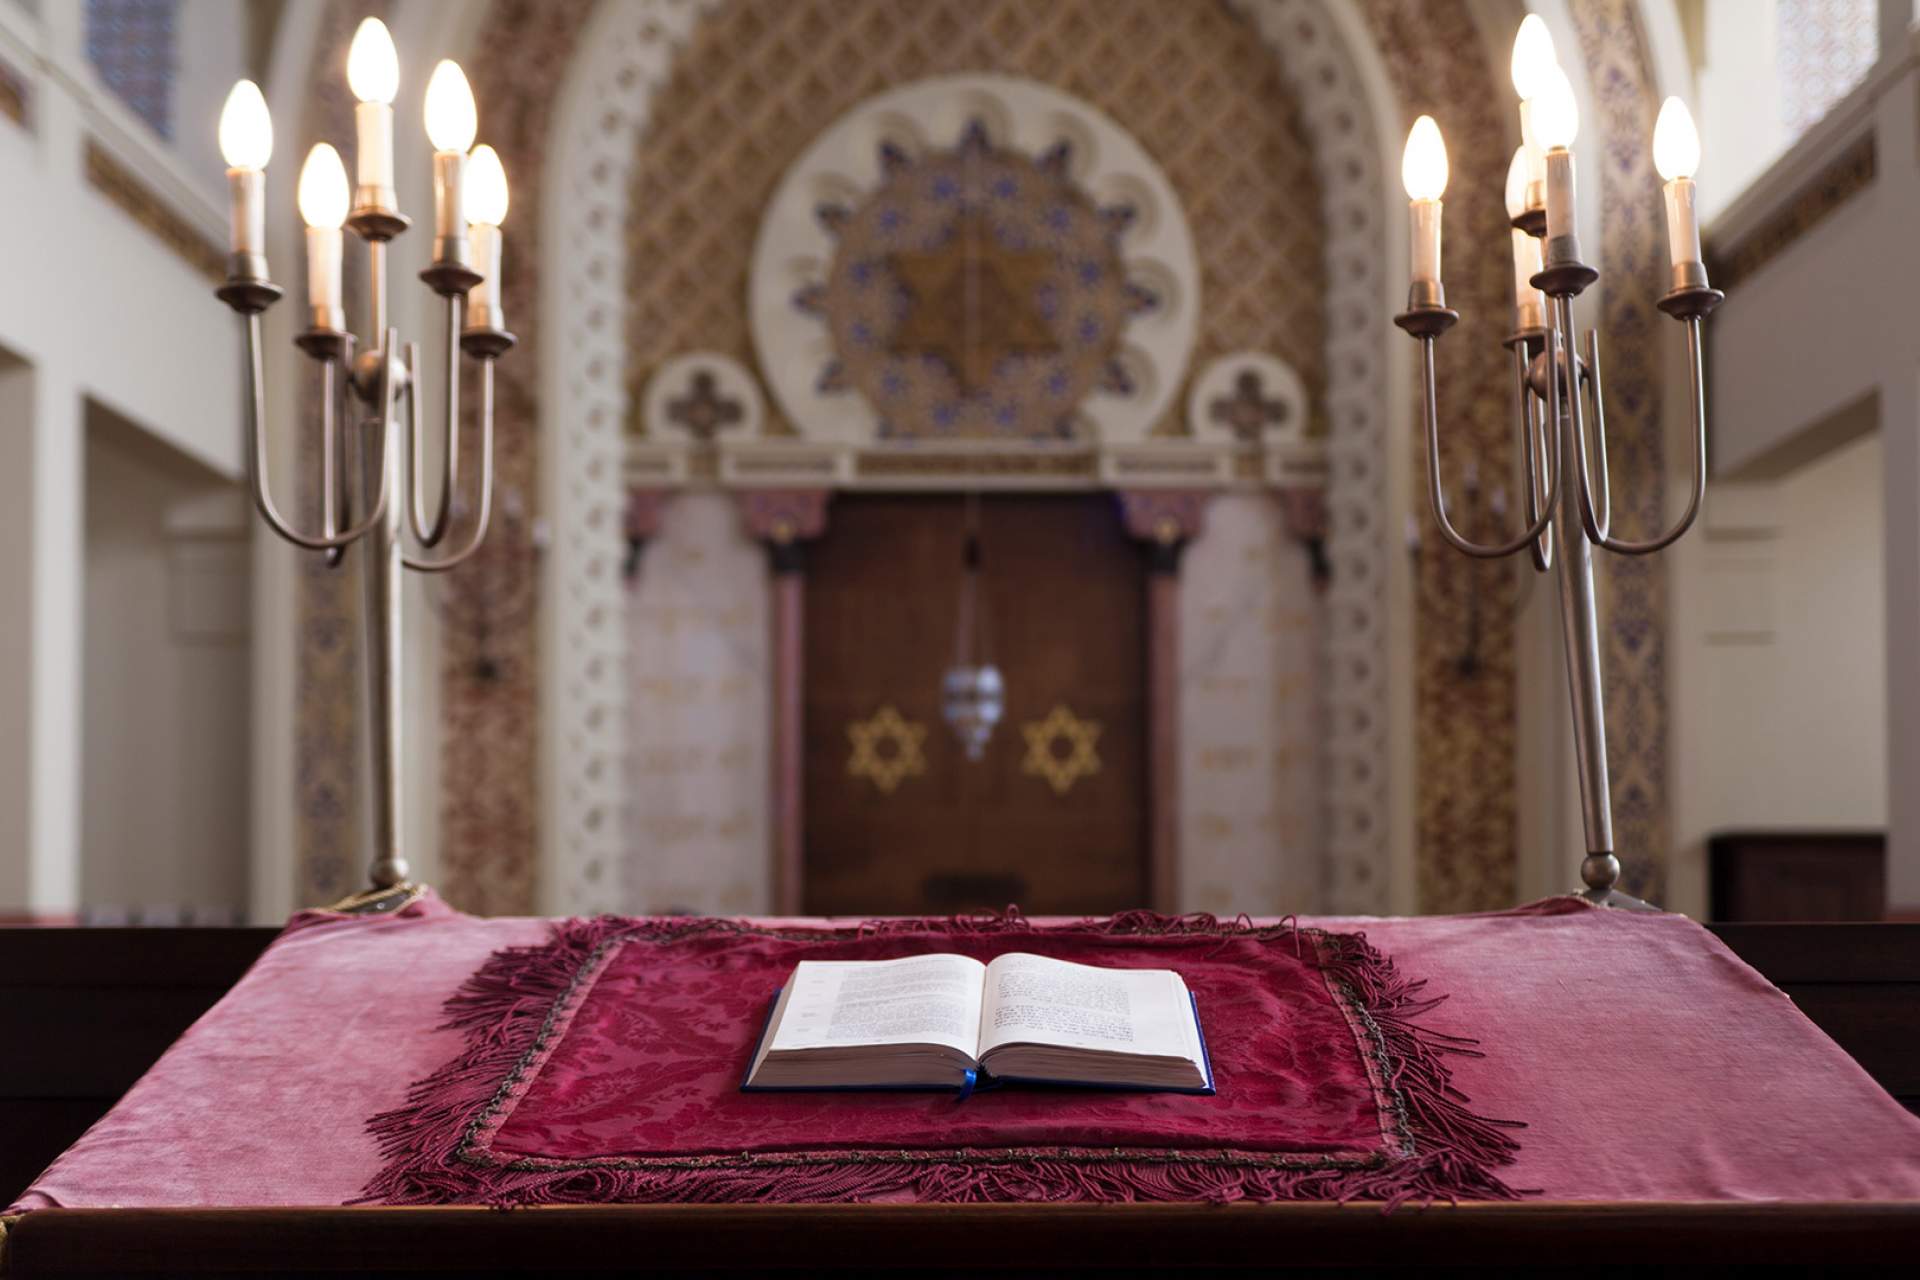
(603, 1067)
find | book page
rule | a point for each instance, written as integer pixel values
(1032, 999)
(919, 1000)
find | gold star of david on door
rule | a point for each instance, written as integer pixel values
(886, 749)
(1060, 748)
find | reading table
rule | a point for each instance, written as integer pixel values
(1676, 1106)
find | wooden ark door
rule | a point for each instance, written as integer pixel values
(897, 819)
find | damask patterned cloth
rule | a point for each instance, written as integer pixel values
(605, 1065)
(1649, 1063)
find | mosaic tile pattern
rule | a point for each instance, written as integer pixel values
(490, 789)
(1465, 824)
(1633, 590)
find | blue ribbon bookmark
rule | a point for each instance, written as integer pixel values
(967, 1081)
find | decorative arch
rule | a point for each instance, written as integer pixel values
(626, 52)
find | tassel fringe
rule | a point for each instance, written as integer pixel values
(514, 1004)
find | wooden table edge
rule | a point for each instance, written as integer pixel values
(53, 1242)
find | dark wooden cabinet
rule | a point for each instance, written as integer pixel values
(1798, 875)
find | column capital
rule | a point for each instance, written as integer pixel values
(1166, 520)
(783, 519)
(1304, 508)
(641, 524)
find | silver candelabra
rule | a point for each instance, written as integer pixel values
(370, 412)
(1567, 499)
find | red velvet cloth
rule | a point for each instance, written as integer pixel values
(651, 1063)
(606, 1065)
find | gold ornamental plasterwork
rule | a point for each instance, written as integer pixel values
(757, 81)
(1045, 759)
(887, 749)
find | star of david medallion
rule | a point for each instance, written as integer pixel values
(976, 292)
(1061, 748)
(886, 749)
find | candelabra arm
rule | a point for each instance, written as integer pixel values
(1596, 516)
(1532, 430)
(329, 540)
(1437, 497)
(430, 533)
(485, 515)
(1697, 407)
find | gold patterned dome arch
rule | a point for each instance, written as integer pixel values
(975, 258)
(976, 292)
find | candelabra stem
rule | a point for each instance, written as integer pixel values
(1580, 630)
(385, 726)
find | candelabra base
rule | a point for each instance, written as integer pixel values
(379, 902)
(1616, 900)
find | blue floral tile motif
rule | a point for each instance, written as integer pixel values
(975, 291)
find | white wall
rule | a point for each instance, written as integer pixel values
(1787, 640)
(97, 309)
(164, 746)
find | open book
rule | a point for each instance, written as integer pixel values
(928, 1021)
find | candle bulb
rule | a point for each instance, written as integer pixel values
(323, 203)
(1423, 171)
(246, 140)
(1556, 122)
(1529, 304)
(373, 73)
(1676, 154)
(1533, 58)
(486, 201)
(451, 122)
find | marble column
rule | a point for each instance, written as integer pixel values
(1166, 520)
(785, 519)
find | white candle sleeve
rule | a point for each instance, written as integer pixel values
(247, 210)
(450, 206)
(1536, 158)
(1529, 304)
(484, 309)
(373, 158)
(1425, 245)
(323, 278)
(1560, 195)
(1683, 223)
